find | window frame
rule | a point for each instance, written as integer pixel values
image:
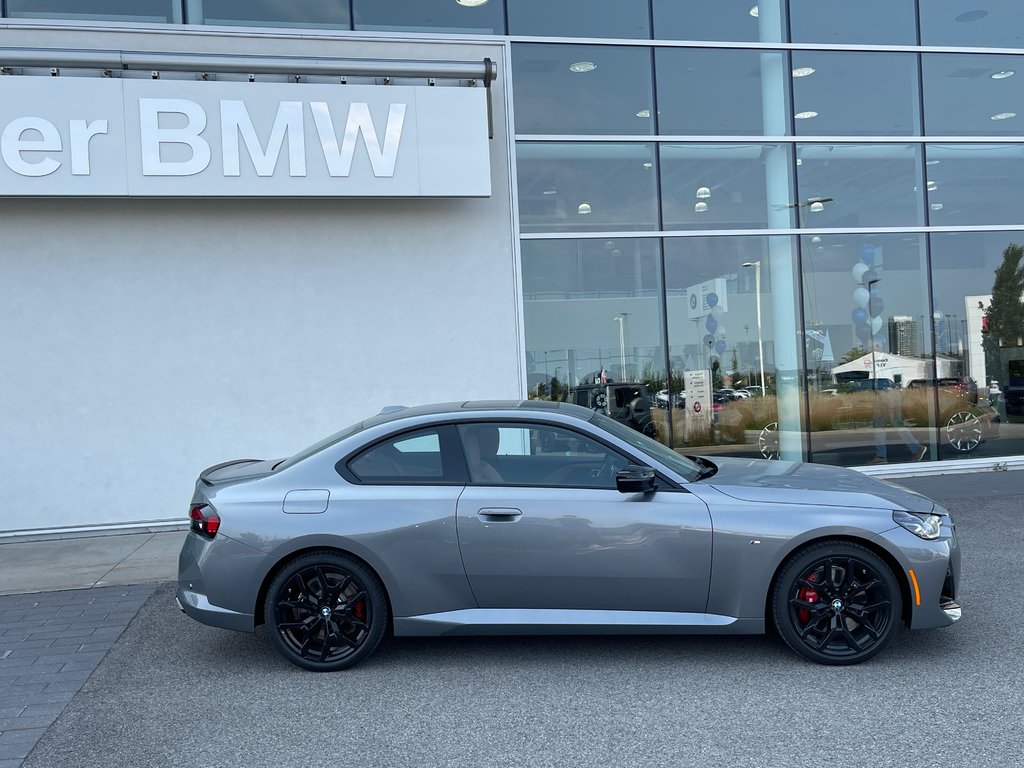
(453, 464)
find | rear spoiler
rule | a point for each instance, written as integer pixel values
(205, 474)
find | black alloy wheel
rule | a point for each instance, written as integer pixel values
(836, 603)
(326, 611)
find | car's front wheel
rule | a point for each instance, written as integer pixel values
(326, 611)
(836, 603)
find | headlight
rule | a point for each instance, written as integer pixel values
(921, 524)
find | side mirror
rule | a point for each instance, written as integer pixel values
(635, 479)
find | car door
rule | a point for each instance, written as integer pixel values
(549, 529)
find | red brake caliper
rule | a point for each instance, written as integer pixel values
(359, 610)
(807, 595)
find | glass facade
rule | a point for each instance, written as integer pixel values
(795, 227)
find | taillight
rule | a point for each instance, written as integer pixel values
(205, 520)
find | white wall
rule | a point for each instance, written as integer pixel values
(143, 340)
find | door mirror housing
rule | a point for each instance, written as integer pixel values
(635, 479)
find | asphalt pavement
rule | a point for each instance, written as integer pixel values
(172, 692)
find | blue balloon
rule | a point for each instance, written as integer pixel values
(711, 299)
(877, 306)
(867, 254)
(870, 278)
(720, 346)
(709, 340)
(863, 332)
(711, 324)
(859, 315)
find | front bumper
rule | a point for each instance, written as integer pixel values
(931, 572)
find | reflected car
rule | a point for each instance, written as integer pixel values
(662, 398)
(532, 517)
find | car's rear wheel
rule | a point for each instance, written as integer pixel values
(326, 611)
(963, 431)
(836, 603)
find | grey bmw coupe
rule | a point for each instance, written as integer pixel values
(544, 518)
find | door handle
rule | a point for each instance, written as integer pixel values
(499, 514)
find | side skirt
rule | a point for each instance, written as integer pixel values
(527, 621)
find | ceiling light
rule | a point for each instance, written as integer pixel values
(703, 193)
(799, 161)
(1003, 74)
(753, 11)
(644, 113)
(933, 162)
(582, 66)
(932, 186)
(1003, 116)
(648, 164)
(472, 3)
(700, 207)
(803, 71)
(816, 239)
(936, 206)
(805, 115)
(584, 209)
(550, 191)
(817, 206)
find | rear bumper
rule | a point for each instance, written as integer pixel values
(197, 606)
(218, 581)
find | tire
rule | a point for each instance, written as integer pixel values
(838, 620)
(326, 611)
(963, 431)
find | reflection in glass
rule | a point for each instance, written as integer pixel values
(725, 332)
(865, 307)
(973, 23)
(121, 10)
(590, 89)
(718, 92)
(876, 22)
(579, 18)
(855, 94)
(722, 186)
(275, 13)
(429, 16)
(586, 187)
(972, 184)
(733, 20)
(973, 94)
(859, 185)
(592, 306)
(979, 328)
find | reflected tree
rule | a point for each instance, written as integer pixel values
(1004, 316)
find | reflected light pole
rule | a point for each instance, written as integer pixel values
(760, 338)
(871, 318)
(621, 320)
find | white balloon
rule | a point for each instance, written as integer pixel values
(861, 296)
(717, 311)
(858, 271)
(876, 324)
(721, 331)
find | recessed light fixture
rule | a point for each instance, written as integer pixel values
(754, 11)
(472, 3)
(933, 162)
(936, 206)
(584, 209)
(799, 161)
(803, 71)
(648, 164)
(932, 186)
(1002, 75)
(582, 66)
(805, 115)
(816, 239)
(700, 207)
(703, 193)
(644, 113)
(1003, 116)
(968, 16)
(550, 191)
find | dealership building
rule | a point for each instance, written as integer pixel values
(232, 228)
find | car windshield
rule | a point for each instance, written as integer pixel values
(317, 447)
(677, 463)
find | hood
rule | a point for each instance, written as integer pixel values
(240, 469)
(791, 482)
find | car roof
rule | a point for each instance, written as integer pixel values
(396, 413)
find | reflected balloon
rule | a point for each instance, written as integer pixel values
(870, 277)
(859, 315)
(861, 296)
(711, 324)
(867, 254)
(876, 324)
(858, 271)
(863, 332)
(711, 299)
(720, 346)
(717, 312)
(709, 340)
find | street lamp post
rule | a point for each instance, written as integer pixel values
(760, 337)
(621, 320)
(871, 317)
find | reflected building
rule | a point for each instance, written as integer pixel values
(903, 336)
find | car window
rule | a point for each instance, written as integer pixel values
(538, 455)
(674, 461)
(407, 458)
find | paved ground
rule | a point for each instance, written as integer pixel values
(174, 692)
